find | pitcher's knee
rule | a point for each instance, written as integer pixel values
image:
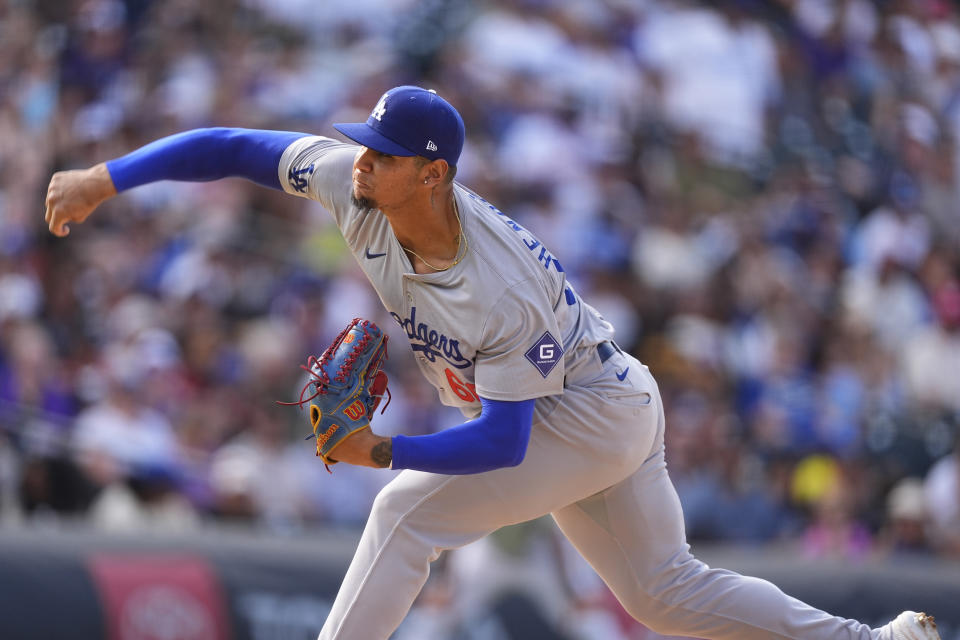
(395, 519)
(391, 505)
(651, 612)
(402, 508)
(656, 598)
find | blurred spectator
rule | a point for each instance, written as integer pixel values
(942, 500)
(118, 437)
(148, 501)
(720, 75)
(129, 455)
(931, 355)
(259, 477)
(29, 385)
(889, 302)
(835, 530)
(905, 530)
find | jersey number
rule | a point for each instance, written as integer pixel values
(464, 390)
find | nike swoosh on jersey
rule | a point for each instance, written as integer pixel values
(371, 256)
(622, 376)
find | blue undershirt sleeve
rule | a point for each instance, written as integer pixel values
(498, 438)
(201, 155)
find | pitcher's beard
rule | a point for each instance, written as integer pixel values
(362, 203)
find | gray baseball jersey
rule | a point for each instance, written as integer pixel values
(503, 324)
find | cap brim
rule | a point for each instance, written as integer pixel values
(364, 134)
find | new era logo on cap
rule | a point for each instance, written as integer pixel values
(431, 145)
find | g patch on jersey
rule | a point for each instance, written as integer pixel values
(545, 354)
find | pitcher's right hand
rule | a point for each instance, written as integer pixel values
(73, 195)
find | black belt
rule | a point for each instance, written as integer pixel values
(607, 349)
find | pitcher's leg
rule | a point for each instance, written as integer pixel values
(633, 536)
(392, 561)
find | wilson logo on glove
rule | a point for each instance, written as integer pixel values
(348, 384)
(355, 411)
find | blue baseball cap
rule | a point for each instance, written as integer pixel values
(410, 121)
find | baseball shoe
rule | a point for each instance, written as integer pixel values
(910, 625)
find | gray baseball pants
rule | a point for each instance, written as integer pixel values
(596, 463)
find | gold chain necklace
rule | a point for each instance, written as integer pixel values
(460, 256)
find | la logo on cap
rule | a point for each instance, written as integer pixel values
(380, 109)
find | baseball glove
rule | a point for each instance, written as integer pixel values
(348, 385)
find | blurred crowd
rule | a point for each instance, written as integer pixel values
(761, 196)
